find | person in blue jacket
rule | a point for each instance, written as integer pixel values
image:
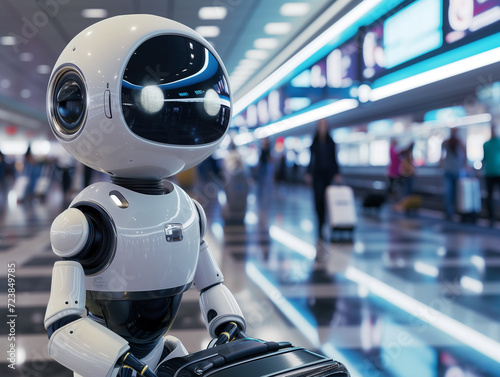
(491, 164)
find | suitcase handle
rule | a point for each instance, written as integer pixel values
(230, 354)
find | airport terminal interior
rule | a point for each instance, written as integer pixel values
(400, 279)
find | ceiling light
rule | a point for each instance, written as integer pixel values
(8, 40)
(257, 54)
(249, 63)
(25, 56)
(94, 13)
(243, 68)
(240, 76)
(212, 13)
(243, 71)
(306, 117)
(446, 71)
(266, 43)
(43, 69)
(309, 50)
(5, 83)
(426, 269)
(471, 284)
(208, 31)
(278, 28)
(294, 9)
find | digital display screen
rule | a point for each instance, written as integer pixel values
(373, 56)
(413, 31)
(465, 17)
(342, 66)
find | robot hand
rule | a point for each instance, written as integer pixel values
(230, 333)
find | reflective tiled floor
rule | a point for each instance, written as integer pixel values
(408, 297)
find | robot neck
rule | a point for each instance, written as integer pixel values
(141, 185)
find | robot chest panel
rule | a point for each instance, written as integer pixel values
(157, 244)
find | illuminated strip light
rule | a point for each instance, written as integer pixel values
(437, 74)
(322, 40)
(298, 120)
(464, 121)
(426, 269)
(245, 138)
(309, 331)
(486, 18)
(292, 242)
(448, 325)
(274, 294)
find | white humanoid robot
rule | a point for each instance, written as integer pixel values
(140, 98)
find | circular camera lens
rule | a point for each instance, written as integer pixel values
(69, 103)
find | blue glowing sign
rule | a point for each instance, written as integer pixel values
(466, 17)
(413, 31)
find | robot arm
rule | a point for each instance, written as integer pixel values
(218, 305)
(80, 344)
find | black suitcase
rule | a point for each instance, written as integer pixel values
(252, 358)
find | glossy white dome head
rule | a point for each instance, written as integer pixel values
(139, 96)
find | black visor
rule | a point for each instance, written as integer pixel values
(174, 91)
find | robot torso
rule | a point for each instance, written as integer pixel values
(150, 262)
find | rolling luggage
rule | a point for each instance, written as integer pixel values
(468, 198)
(252, 358)
(21, 186)
(341, 209)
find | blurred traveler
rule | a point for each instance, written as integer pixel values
(407, 169)
(66, 166)
(87, 175)
(453, 161)
(394, 178)
(322, 170)
(236, 186)
(265, 161)
(491, 163)
(209, 170)
(3, 174)
(32, 169)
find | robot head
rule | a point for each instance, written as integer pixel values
(139, 96)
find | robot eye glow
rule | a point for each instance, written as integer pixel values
(151, 99)
(212, 102)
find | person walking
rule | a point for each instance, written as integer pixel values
(393, 176)
(407, 170)
(491, 164)
(322, 169)
(264, 169)
(453, 162)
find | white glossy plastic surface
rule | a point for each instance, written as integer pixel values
(203, 218)
(221, 300)
(67, 292)
(207, 272)
(87, 348)
(69, 233)
(143, 259)
(101, 53)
